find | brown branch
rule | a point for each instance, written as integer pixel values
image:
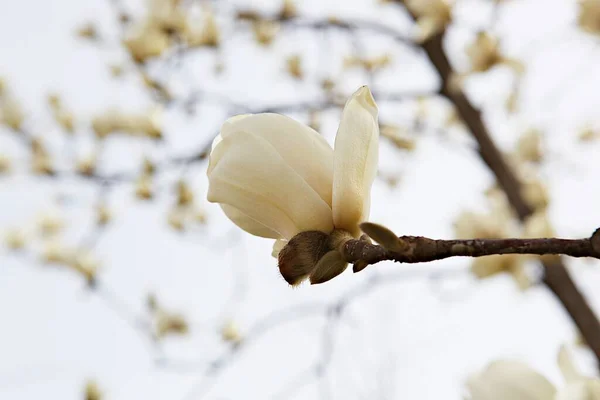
(417, 249)
(556, 276)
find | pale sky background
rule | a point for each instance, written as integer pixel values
(416, 333)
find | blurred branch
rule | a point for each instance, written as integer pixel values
(202, 153)
(216, 366)
(333, 313)
(115, 304)
(298, 382)
(350, 25)
(556, 277)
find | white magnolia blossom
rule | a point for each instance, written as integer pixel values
(275, 177)
(517, 381)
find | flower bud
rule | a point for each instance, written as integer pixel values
(329, 266)
(168, 323)
(231, 333)
(385, 237)
(300, 255)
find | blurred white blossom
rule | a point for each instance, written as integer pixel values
(432, 16)
(589, 16)
(515, 380)
(11, 113)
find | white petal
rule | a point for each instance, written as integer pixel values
(567, 366)
(584, 389)
(248, 224)
(302, 148)
(510, 380)
(215, 142)
(235, 118)
(355, 161)
(246, 172)
(277, 246)
(214, 156)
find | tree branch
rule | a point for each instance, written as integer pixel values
(556, 276)
(419, 249)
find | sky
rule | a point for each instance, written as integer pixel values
(391, 332)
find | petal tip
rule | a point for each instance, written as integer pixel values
(236, 118)
(365, 98)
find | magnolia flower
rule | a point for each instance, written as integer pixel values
(114, 120)
(538, 225)
(15, 239)
(5, 163)
(277, 178)
(146, 41)
(398, 136)
(61, 115)
(167, 15)
(92, 391)
(517, 381)
(86, 165)
(230, 332)
(432, 16)
(588, 134)
(11, 113)
(509, 380)
(485, 54)
(103, 214)
(294, 66)
(88, 31)
(265, 31)
(529, 146)
(288, 10)
(207, 34)
(168, 323)
(534, 191)
(588, 18)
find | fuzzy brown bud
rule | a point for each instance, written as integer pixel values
(301, 254)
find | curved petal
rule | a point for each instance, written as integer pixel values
(216, 152)
(216, 141)
(579, 387)
(277, 246)
(215, 156)
(355, 161)
(247, 173)
(302, 148)
(236, 118)
(248, 224)
(510, 380)
(567, 365)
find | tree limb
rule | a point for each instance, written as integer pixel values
(556, 276)
(419, 249)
